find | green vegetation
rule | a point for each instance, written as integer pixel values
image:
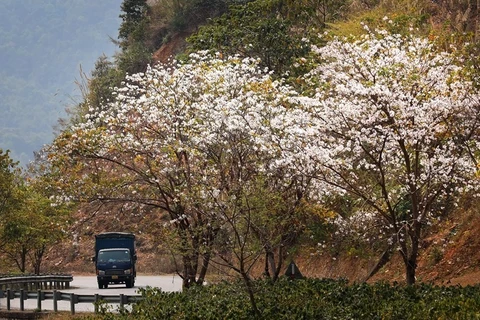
(254, 30)
(30, 221)
(8, 180)
(309, 299)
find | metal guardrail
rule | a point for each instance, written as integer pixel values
(56, 296)
(36, 282)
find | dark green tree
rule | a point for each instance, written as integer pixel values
(26, 233)
(134, 58)
(133, 15)
(133, 36)
(8, 177)
(255, 29)
(30, 219)
(12, 201)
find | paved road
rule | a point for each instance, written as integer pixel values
(88, 286)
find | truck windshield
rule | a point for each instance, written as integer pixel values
(113, 256)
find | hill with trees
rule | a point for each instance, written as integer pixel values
(235, 136)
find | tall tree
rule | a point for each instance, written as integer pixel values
(133, 15)
(9, 174)
(256, 29)
(180, 138)
(395, 124)
(30, 228)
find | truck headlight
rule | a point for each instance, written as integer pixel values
(128, 271)
(101, 272)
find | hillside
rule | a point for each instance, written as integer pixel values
(449, 254)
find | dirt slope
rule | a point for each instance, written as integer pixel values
(450, 254)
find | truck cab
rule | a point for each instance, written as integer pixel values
(115, 259)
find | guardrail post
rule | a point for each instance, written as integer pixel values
(55, 302)
(39, 300)
(8, 299)
(122, 302)
(72, 303)
(22, 299)
(97, 298)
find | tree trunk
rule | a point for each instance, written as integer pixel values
(411, 268)
(251, 294)
(381, 262)
(270, 256)
(37, 259)
(203, 269)
(266, 271)
(189, 276)
(272, 267)
(22, 260)
(281, 258)
(410, 257)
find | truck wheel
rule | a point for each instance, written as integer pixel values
(130, 283)
(100, 285)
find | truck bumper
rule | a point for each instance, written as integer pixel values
(114, 279)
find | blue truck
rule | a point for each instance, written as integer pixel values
(115, 259)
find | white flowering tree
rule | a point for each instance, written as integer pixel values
(395, 126)
(191, 140)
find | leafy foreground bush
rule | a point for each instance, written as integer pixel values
(310, 299)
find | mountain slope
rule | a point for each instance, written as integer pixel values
(42, 46)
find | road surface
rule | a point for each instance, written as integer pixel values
(87, 285)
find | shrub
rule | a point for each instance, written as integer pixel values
(311, 299)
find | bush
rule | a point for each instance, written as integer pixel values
(311, 299)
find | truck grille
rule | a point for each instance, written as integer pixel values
(113, 272)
